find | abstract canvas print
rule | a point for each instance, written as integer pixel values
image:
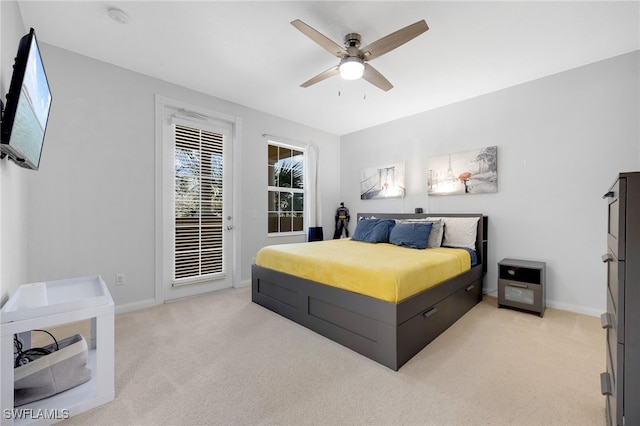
(468, 172)
(382, 182)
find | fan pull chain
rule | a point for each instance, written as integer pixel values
(364, 97)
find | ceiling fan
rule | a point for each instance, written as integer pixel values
(353, 60)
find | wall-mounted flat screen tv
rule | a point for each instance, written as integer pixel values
(28, 104)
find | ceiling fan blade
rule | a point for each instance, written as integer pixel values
(393, 40)
(322, 76)
(321, 39)
(374, 77)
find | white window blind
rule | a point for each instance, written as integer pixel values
(198, 164)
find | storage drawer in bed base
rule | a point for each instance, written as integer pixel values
(388, 333)
(416, 333)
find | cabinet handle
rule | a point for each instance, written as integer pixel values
(607, 257)
(606, 320)
(470, 287)
(430, 312)
(605, 384)
(609, 194)
(518, 285)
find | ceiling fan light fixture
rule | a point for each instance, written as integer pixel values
(351, 68)
(352, 59)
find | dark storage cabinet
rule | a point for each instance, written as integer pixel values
(621, 381)
(521, 285)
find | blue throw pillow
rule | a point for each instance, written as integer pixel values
(411, 234)
(373, 230)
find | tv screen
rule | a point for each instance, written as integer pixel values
(28, 104)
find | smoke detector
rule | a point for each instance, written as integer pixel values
(118, 16)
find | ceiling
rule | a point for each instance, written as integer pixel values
(250, 54)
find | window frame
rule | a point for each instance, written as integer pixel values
(304, 191)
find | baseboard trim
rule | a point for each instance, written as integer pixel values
(244, 283)
(135, 306)
(584, 310)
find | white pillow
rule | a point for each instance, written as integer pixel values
(460, 232)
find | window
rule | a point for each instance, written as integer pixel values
(198, 163)
(286, 196)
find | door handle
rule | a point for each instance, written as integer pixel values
(607, 257)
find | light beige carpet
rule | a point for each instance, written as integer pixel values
(220, 359)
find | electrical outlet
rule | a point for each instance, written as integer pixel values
(120, 278)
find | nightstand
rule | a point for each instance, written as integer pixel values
(521, 285)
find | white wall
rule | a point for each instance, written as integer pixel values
(91, 204)
(90, 209)
(13, 179)
(561, 140)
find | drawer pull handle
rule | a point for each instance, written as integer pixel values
(607, 257)
(470, 287)
(430, 312)
(518, 285)
(605, 384)
(609, 194)
(606, 320)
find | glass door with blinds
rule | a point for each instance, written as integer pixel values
(197, 222)
(198, 201)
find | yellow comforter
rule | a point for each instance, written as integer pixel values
(384, 271)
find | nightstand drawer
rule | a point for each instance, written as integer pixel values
(520, 295)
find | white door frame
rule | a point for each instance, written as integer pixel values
(165, 109)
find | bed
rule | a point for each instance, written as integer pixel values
(387, 331)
